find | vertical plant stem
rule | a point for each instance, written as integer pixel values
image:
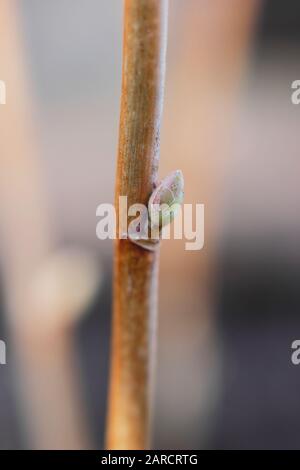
(135, 269)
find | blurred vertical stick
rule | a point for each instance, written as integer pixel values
(135, 270)
(47, 380)
(206, 70)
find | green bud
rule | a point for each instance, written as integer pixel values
(165, 199)
(163, 205)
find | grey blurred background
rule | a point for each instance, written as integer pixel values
(229, 313)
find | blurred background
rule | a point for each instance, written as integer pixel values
(229, 313)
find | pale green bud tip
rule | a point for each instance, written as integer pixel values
(162, 207)
(169, 191)
(165, 199)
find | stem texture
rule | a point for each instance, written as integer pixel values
(135, 269)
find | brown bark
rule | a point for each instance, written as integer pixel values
(135, 270)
